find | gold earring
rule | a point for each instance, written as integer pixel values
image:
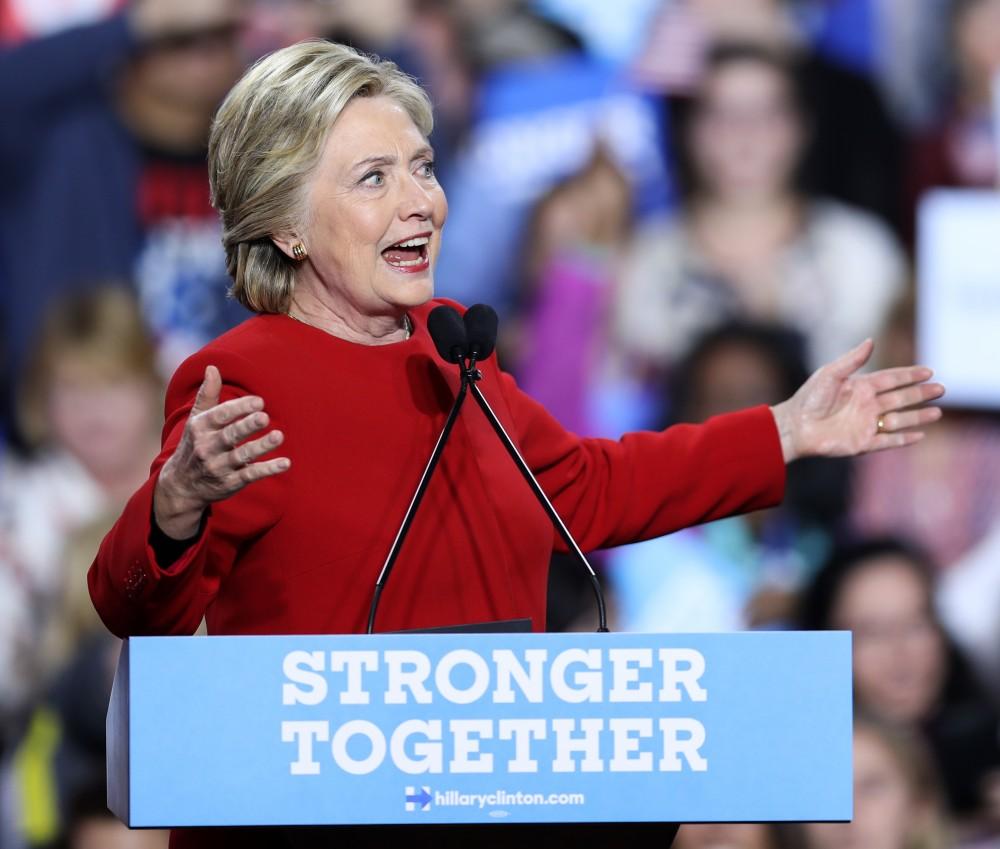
(299, 252)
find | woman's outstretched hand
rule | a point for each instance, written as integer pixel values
(840, 413)
(214, 458)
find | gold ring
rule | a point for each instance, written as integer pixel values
(880, 425)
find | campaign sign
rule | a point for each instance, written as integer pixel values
(439, 728)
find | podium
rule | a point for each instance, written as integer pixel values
(492, 735)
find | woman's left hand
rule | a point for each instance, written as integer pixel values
(837, 412)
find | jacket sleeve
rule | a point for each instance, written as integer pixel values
(131, 592)
(650, 483)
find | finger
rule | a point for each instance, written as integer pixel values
(909, 396)
(245, 454)
(846, 364)
(259, 471)
(910, 418)
(893, 378)
(208, 392)
(222, 414)
(896, 440)
(234, 433)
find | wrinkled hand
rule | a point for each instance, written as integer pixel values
(214, 458)
(835, 413)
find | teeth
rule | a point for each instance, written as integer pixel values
(407, 263)
(418, 242)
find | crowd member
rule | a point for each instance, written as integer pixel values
(897, 798)
(60, 747)
(102, 163)
(906, 670)
(730, 836)
(854, 153)
(89, 406)
(748, 242)
(743, 571)
(576, 235)
(943, 494)
(92, 826)
(968, 597)
(962, 149)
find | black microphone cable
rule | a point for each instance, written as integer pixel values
(448, 332)
(481, 330)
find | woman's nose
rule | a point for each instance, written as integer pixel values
(416, 201)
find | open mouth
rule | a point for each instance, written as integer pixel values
(409, 255)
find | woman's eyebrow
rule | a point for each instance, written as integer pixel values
(385, 159)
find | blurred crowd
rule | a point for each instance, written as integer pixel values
(679, 207)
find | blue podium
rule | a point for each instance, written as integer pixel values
(423, 731)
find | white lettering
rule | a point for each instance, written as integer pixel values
(301, 667)
(304, 733)
(358, 728)
(428, 752)
(354, 662)
(467, 733)
(588, 745)
(522, 731)
(587, 684)
(408, 669)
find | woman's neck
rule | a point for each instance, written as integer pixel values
(119, 481)
(334, 316)
(760, 225)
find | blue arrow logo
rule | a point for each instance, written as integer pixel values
(418, 798)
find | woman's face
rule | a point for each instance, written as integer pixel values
(104, 422)
(885, 813)
(733, 377)
(899, 654)
(723, 836)
(374, 212)
(977, 42)
(745, 139)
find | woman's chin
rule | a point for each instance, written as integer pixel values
(412, 290)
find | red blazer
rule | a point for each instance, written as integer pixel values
(300, 552)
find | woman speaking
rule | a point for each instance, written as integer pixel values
(293, 443)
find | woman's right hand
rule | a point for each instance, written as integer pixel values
(214, 458)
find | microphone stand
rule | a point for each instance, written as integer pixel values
(470, 376)
(418, 496)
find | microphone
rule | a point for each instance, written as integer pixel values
(481, 330)
(448, 332)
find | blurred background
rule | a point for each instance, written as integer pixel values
(679, 208)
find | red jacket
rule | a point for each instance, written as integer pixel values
(299, 553)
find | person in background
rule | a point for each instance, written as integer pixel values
(93, 826)
(897, 797)
(906, 670)
(743, 571)
(747, 242)
(575, 238)
(943, 494)
(962, 149)
(90, 407)
(854, 153)
(730, 835)
(102, 160)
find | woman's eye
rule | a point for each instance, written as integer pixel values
(374, 179)
(427, 169)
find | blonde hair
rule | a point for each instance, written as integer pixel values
(267, 138)
(103, 332)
